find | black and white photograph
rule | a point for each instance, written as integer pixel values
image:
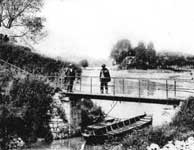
(96, 75)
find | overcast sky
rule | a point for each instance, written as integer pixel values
(92, 27)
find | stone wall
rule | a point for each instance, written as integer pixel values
(68, 125)
(59, 128)
(75, 117)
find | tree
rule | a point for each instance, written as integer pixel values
(151, 55)
(120, 50)
(20, 17)
(140, 55)
(84, 63)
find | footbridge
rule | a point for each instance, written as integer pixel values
(141, 90)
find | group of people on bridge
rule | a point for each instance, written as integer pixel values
(70, 76)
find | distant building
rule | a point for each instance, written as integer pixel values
(128, 62)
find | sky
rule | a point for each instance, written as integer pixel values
(90, 28)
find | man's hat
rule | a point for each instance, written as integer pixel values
(103, 65)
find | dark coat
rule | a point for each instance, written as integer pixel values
(70, 74)
(105, 75)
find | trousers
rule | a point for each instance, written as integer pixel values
(104, 85)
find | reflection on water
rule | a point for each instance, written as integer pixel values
(69, 144)
(161, 113)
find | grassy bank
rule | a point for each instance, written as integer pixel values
(32, 62)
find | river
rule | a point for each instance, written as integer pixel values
(162, 114)
(68, 144)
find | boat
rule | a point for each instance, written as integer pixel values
(98, 133)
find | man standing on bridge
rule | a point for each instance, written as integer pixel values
(104, 79)
(70, 77)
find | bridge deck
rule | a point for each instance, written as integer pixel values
(123, 98)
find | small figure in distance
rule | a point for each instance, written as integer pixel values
(191, 74)
(6, 38)
(104, 79)
(70, 77)
(1, 37)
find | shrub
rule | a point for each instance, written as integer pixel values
(184, 119)
(84, 63)
(90, 113)
(35, 97)
(25, 111)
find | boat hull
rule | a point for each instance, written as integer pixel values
(119, 132)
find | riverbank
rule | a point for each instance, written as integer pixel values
(139, 73)
(180, 129)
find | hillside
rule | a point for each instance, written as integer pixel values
(24, 58)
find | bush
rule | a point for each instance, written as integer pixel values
(185, 117)
(84, 63)
(140, 139)
(24, 112)
(90, 113)
(36, 97)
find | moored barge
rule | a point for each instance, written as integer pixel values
(98, 133)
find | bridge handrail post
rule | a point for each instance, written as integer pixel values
(114, 86)
(174, 88)
(148, 87)
(167, 89)
(139, 86)
(80, 84)
(91, 85)
(60, 82)
(123, 86)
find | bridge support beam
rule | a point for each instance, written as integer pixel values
(125, 98)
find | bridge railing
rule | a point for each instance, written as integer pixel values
(134, 87)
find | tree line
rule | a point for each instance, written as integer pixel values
(145, 56)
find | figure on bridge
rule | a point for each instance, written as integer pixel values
(104, 79)
(70, 77)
